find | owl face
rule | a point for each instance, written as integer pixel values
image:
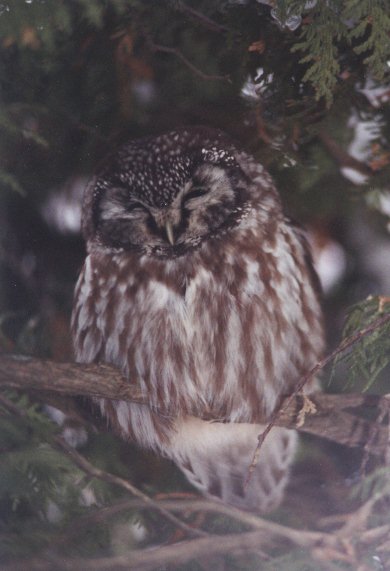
(169, 193)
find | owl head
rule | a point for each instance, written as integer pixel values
(164, 195)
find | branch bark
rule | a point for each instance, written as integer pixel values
(328, 416)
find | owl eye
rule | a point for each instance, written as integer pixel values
(195, 193)
(136, 207)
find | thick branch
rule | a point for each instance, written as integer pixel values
(328, 416)
(21, 372)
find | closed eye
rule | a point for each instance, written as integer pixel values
(136, 207)
(195, 193)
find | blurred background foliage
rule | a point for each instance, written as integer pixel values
(304, 86)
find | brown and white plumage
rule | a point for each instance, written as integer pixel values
(202, 292)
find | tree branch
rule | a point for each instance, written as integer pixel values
(328, 417)
(342, 157)
(201, 18)
(177, 53)
(28, 373)
(263, 531)
(352, 428)
(95, 472)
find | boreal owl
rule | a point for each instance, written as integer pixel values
(202, 292)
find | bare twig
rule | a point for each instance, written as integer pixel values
(168, 50)
(338, 545)
(196, 504)
(206, 546)
(91, 470)
(344, 345)
(342, 157)
(201, 18)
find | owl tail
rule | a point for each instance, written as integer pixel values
(216, 457)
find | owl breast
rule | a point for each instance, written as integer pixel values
(231, 326)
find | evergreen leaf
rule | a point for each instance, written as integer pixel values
(370, 355)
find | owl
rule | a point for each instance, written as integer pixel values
(202, 292)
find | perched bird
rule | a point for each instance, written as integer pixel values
(202, 292)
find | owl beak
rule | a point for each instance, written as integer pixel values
(169, 231)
